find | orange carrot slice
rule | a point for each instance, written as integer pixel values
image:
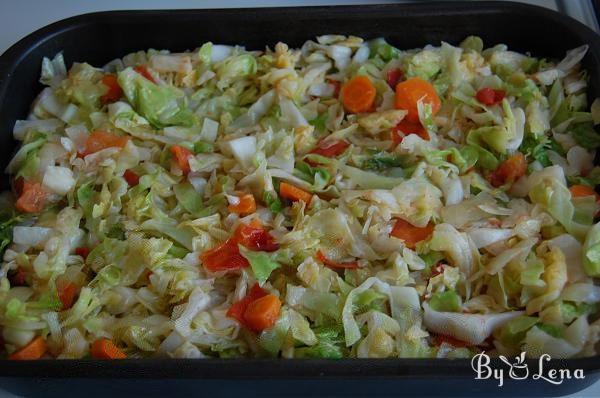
(247, 205)
(288, 191)
(413, 90)
(35, 349)
(106, 349)
(410, 234)
(262, 314)
(358, 94)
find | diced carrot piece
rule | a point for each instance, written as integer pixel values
(413, 90)
(32, 199)
(288, 191)
(100, 140)
(238, 308)
(332, 264)
(182, 156)
(262, 314)
(358, 94)
(66, 293)
(246, 206)
(410, 234)
(256, 223)
(509, 170)
(35, 349)
(131, 177)
(578, 191)
(114, 91)
(106, 349)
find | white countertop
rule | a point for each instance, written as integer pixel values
(21, 17)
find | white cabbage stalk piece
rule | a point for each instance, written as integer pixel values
(483, 237)
(220, 52)
(243, 149)
(518, 252)
(472, 328)
(573, 57)
(457, 245)
(581, 293)
(538, 342)
(31, 236)
(573, 252)
(256, 111)
(58, 180)
(198, 301)
(43, 126)
(180, 63)
(209, 131)
(524, 184)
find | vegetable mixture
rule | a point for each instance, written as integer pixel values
(345, 199)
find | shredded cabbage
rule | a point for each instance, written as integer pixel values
(224, 202)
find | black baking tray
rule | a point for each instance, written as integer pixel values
(100, 37)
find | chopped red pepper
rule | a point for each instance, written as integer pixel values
(182, 155)
(114, 92)
(332, 264)
(436, 270)
(18, 277)
(394, 76)
(330, 148)
(509, 171)
(238, 308)
(82, 251)
(256, 239)
(490, 96)
(337, 86)
(17, 185)
(499, 95)
(143, 70)
(406, 127)
(227, 256)
(131, 177)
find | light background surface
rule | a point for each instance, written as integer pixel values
(21, 17)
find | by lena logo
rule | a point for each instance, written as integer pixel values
(519, 370)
